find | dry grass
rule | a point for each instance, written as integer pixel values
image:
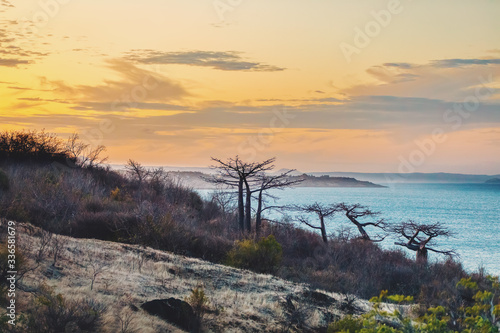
(129, 275)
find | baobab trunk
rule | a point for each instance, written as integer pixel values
(422, 256)
(323, 229)
(248, 209)
(364, 234)
(241, 209)
(258, 215)
(362, 231)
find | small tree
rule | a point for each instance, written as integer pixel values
(268, 182)
(356, 212)
(418, 237)
(322, 211)
(84, 154)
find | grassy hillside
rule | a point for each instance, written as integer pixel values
(129, 275)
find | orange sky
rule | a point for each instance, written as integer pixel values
(379, 86)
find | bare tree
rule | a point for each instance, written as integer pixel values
(236, 173)
(97, 267)
(137, 171)
(322, 211)
(418, 237)
(267, 182)
(223, 199)
(229, 174)
(356, 212)
(83, 154)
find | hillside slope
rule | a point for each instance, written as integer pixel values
(129, 275)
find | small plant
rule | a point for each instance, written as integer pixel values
(51, 312)
(347, 324)
(116, 194)
(263, 256)
(198, 301)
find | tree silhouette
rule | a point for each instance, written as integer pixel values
(267, 182)
(236, 173)
(321, 210)
(418, 237)
(356, 212)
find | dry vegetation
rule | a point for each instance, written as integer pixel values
(129, 275)
(145, 212)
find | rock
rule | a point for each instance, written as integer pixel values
(172, 310)
(319, 298)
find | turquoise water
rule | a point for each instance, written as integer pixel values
(471, 211)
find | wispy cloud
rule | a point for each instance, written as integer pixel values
(6, 3)
(13, 62)
(226, 61)
(452, 63)
(136, 86)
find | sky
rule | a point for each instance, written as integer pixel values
(324, 85)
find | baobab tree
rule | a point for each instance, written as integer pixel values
(236, 173)
(322, 211)
(418, 237)
(356, 212)
(266, 182)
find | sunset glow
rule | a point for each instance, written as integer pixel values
(327, 85)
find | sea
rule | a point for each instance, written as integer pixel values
(470, 211)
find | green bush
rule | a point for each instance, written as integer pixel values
(198, 301)
(347, 324)
(263, 256)
(482, 315)
(4, 181)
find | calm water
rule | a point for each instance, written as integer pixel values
(471, 211)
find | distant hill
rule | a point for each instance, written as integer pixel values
(327, 181)
(378, 178)
(382, 178)
(493, 181)
(196, 180)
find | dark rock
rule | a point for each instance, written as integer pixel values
(319, 298)
(172, 310)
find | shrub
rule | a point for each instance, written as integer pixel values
(198, 301)
(263, 256)
(347, 324)
(51, 312)
(4, 181)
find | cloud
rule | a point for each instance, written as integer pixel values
(14, 43)
(6, 3)
(136, 87)
(13, 62)
(453, 63)
(225, 61)
(106, 106)
(445, 79)
(403, 65)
